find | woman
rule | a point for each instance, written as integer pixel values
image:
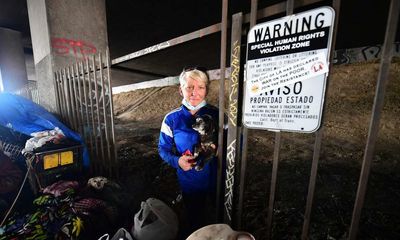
(178, 140)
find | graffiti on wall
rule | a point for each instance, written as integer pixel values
(233, 95)
(152, 49)
(78, 48)
(230, 176)
(353, 55)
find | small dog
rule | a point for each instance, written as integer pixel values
(97, 182)
(206, 148)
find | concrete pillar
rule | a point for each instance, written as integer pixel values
(63, 32)
(13, 77)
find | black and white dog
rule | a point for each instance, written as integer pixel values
(207, 147)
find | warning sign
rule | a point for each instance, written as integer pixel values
(286, 70)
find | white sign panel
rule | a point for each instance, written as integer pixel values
(286, 70)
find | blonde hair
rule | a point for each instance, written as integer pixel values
(195, 74)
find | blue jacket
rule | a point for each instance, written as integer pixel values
(176, 137)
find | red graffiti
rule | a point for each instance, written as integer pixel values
(79, 48)
(316, 67)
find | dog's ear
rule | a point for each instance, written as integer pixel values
(207, 117)
(209, 123)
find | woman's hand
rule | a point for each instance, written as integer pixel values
(186, 162)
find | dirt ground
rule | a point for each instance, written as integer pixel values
(348, 108)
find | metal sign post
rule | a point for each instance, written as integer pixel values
(232, 136)
(287, 67)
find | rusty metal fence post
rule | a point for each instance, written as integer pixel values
(386, 58)
(232, 138)
(275, 161)
(244, 135)
(318, 142)
(221, 106)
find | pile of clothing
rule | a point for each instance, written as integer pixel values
(66, 210)
(41, 138)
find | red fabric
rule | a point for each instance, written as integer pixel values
(89, 204)
(188, 153)
(60, 187)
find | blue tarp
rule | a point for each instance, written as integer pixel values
(24, 116)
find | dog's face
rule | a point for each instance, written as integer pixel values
(204, 125)
(97, 182)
